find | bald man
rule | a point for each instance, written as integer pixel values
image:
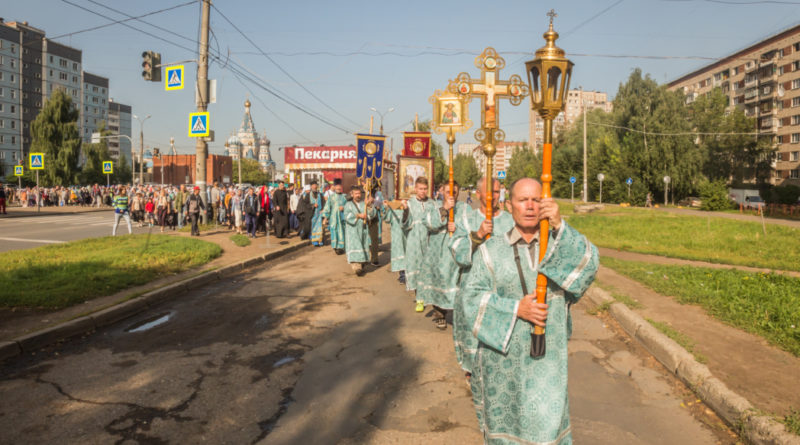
(520, 399)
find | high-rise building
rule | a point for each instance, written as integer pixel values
(502, 157)
(95, 104)
(764, 81)
(32, 67)
(119, 122)
(11, 127)
(573, 110)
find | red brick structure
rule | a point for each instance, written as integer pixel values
(180, 169)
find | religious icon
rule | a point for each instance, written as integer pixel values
(417, 146)
(514, 90)
(450, 112)
(490, 116)
(370, 148)
(411, 168)
(464, 88)
(490, 63)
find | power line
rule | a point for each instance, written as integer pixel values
(216, 56)
(246, 37)
(160, 28)
(689, 133)
(116, 22)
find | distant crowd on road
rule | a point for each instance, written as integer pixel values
(84, 196)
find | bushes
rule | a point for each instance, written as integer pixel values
(714, 196)
(782, 194)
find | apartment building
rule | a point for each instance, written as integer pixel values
(502, 158)
(32, 67)
(119, 122)
(764, 81)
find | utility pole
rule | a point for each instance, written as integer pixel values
(202, 104)
(585, 167)
(172, 153)
(141, 148)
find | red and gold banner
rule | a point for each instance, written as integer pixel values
(417, 144)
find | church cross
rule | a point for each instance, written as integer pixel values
(552, 14)
(489, 88)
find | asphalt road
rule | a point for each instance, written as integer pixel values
(33, 231)
(301, 351)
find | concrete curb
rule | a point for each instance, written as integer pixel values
(733, 408)
(117, 312)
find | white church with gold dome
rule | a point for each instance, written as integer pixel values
(247, 142)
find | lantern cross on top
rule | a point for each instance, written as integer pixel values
(489, 88)
(552, 14)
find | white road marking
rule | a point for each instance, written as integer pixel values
(23, 240)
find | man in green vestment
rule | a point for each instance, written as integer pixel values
(442, 273)
(520, 399)
(472, 229)
(357, 215)
(414, 211)
(333, 215)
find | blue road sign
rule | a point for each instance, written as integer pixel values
(108, 167)
(629, 181)
(501, 174)
(17, 170)
(198, 125)
(36, 161)
(572, 179)
(174, 78)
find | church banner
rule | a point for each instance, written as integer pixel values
(417, 144)
(370, 156)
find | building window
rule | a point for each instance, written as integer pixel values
(13, 94)
(13, 124)
(795, 174)
(13, 108)
(2, 123)
(796, 102)
(1, 107)
(62, 63)
(51, 59)
(794, 156)
(2, 139)
(796, 119)
(13, 63)
(74, 66)
(13, 139)
(1, 92)
(795, 138)
(2, 154)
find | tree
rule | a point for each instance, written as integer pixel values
(94, 155)
(122, 171)
(524, 163)
(465, 170)
(54, 132)
(733, 158)
(251, 172)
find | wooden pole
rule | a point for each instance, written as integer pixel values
(538, 339)
(371, 123)
(416, 121)
(451, 139)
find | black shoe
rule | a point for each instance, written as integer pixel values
(375, 263)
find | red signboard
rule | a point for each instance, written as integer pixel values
(417, 143)
(320, 155)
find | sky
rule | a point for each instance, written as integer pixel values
(337, 59)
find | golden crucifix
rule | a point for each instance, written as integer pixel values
(490, 89)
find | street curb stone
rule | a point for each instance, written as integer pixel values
(126, 309)
(730, 406)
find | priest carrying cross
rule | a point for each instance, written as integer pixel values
(519, 398)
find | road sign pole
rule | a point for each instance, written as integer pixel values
(572, 193)
(38, 193)
(202, 101)
(629, 191)
(108, 180)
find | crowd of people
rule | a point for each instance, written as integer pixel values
(484, 272)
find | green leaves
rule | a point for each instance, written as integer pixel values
(54, 132)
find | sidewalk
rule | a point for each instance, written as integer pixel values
(19, 212)
(746, 363)
(15, 323)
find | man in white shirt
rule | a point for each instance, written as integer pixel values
(294, 198)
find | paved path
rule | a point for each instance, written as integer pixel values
(39, 230)
(302, 351)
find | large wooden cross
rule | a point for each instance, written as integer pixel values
(489, 88)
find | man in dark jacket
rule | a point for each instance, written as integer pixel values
(251, 209)
(281, 213)
(194, 204)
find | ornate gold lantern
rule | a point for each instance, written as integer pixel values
(549, 75)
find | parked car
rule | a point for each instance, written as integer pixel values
(691, 201)
(753, 202)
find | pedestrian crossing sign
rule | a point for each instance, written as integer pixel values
(37, 161)
(174, 78)
(501, 174)
(198, 125)
(108, 167)
(17, 170)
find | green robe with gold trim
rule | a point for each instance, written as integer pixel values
(519, 399)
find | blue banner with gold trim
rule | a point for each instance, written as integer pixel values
(370, 156)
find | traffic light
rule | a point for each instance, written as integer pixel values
(151, 66)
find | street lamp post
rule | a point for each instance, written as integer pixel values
(141, 147)
(667, 180)
(549, 74)
(600, 178)
(382, 114)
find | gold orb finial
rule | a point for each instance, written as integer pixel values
(247, 103)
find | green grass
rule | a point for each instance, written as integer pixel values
(240, 240)
(622, 298)
(682, 339)
(202, 227)
(601, 308)
(764, 304)
(703, 238)
(792, 421)
(61, 275)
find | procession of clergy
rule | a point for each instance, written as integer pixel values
(482, 270)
